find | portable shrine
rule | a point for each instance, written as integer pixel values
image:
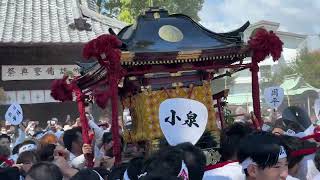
(163, 56)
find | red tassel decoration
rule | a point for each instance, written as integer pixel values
(61, 90)
(105, 49)
(103, 44)
(265, 43)
(101, 99)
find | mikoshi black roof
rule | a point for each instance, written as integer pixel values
(157, 31)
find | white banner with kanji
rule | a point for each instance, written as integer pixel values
(37, 72)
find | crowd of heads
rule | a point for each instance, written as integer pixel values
(246, 153)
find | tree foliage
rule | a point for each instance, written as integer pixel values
(128, 10)
(279, 76)
(308, 65)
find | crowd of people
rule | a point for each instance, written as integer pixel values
(284, 149)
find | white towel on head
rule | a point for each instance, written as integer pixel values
(231, 171)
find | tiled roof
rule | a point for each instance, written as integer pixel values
(51, 21)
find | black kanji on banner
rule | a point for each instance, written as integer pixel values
(191, 119)
(173, 118)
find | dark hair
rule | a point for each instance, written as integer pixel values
(286, 124)
(159, 177)
(297, 115)
(294, 144)
(5, 136)
(230, 140)
(166, 160)
(9, 173)
(117, 171)
(207, 140)
(194, 159)
(46, 152)
(102, 171)
(16, 148)
(4, 151)
(85, 174)
(107, 138)
(262, 147)
(70, 136)
(45, 170)
(134, 168)
(28, 142)
(163, 143)
(28, 157)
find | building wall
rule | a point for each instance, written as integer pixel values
(38, 54)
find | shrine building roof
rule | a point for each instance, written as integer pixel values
(52, 21)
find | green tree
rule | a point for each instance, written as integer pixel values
(308, 65)
(278, 77)
(128, 10)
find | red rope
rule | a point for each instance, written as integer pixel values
(303, 152)
(256, 92)
(5, 160)
(218, 165)
(84, 123)
(115, 121)
(312, 136)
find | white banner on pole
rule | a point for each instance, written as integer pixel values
(36, 72)
(274, 96)
(182, 120)
(14, 114)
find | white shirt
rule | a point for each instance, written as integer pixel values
(231, 171)
(317, 177)
(291, 178)
(307, 169)
(77, 161)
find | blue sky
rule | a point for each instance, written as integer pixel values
(299, 16)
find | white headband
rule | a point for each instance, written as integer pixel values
(27, 147)
(282, 153)
(307, 132)
(245, 164)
